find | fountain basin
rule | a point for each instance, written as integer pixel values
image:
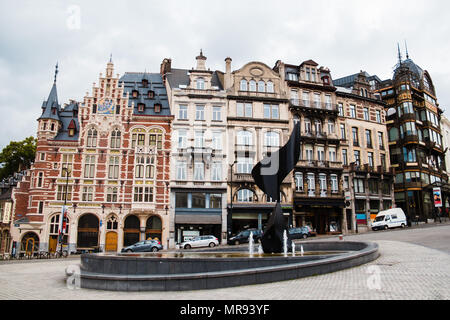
(177, 271)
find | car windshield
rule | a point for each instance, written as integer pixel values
(379, 218)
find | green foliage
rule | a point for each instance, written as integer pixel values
(17, 156)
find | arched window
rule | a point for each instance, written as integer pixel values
(252, 85)
(243, 86)
(111, 223)
(115, 139)
(272, 139)
(261, 86)
(270, 88)
(200, 83)
(156, 138)
(153, 229)
(245, 195)
(54, 225)
(91, 140)
(244, 138)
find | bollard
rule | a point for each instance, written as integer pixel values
(341, 237)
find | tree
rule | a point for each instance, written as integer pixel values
(17, 156)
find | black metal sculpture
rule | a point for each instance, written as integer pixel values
(269, 175)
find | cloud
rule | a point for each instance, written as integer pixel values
(344, 35)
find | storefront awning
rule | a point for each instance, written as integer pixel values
(326, 202)
(197, 219)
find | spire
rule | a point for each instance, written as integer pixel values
(110, 57)
(56, 71)
(406, 46)
(399, 54)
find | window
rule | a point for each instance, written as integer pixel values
(357, 157)
(139, 167)
(244, 138)
(330, 126)
(199, 139)
(141, 140)
(344, 157)
(42, 156)
(380, 141)
(334, 183)
(91, 138)
(181, 200)
(181, 170)
(217, 140)
(143, 194)
(328, 102)
(271, 139)
(66, 165)
(299, 181)
(182, 139)
(355, 136)
(383, 161)
(89, 167)
(370, 159)
(309, 152)
(308, 75)
(149, 167)
(311, 183)
(111, 223)
(41, 207)
(261, 86)
(217, 114)
(378, 113)
(216, 171)
(321, 153)
(352, 111)
(369, 138)
(111, 194)
(200, 113)
(199, 171)
(182, 113)
(271, 111)
(244, 165)
(155, 138)
(308, 126)
(317, 100)
(341, 109)
(332, 154)
(270, 87)
(215, 201)
(200, 83)
(358, 185)
(88, 194)
(366, 113)
(292, 76)
(243, 85)
(318, 126)
(113, 170)
(244, 110)
(115, 139)
(343, 135)
(245, 195)
(373, 186)
(61, 192)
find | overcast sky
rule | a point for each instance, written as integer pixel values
(345, 36)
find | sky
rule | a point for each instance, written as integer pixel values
(344, 35)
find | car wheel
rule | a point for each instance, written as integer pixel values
(212, 245)
(403, 226)
(385, 227)
(188, 246)
(129, 250)
(154, 249)
(236, 242)
(304, 236)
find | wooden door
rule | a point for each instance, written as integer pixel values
(52, 243)
(30, 246)
(111, 241)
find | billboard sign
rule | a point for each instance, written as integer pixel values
(437, 197)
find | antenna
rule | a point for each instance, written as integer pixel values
(56, 70)
(399, 54)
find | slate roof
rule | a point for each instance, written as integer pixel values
(133, 81)
(414, 68)
(178, 77)
(68, 115)
(52, 102)
(349, 81)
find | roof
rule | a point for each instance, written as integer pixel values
(349, 81)
(414, 68)
(133, 81)
(68, 116)
(52, 102)
(178, 77)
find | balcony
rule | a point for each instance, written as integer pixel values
(314, 105)
(244, 148)
(319, 164)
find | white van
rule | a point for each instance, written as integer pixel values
(392, 218)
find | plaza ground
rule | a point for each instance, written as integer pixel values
(414, 264)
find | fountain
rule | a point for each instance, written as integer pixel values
(293, 248)
(250, 244)
(229, 267)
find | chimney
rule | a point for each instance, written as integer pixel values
(166, 66)
(227, 79)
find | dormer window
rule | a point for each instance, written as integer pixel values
(326, 80)
(200, 83)
(151, 94)
(157, 108)
(141, 107)
(71, 132)
(144, 83)
(52, 128)
(53, 110)
(134, 94)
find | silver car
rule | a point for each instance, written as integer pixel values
(200, 241)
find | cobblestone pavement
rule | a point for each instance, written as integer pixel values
(403, 271)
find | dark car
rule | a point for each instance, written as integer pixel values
(243, 236)
(298, 233)
(144, 246)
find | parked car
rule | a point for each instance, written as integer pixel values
(298, 233)
(201, 241)
(311, 233)
(243, 236)
(144, 246)
(392, 218)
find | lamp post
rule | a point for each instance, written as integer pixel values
(63, 213)
(230, 215)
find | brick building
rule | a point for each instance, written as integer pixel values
(107, 160)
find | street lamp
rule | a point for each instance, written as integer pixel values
(230, 215)
(63, 213)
